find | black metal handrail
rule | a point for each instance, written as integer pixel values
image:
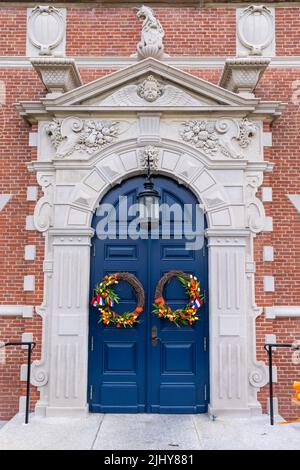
(30, 346)
(269, 348)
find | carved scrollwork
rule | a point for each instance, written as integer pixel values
(258, 377)
(247, 130)
(225, 136)
(43, 213)
(74, 134)
(40, 375)
(254, 207)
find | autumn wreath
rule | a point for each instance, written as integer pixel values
(105, 297)
(188, 314)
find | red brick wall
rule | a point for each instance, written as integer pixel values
(14, 179)
(277, 84)
(115, 32)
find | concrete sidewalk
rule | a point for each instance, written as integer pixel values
(147, 431)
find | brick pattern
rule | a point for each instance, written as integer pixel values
(13, 31)
(278, 85)
(115, 31)
(11, 388)
(14, 179)
(190, 31)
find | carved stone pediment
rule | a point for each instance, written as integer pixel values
(152, 92)
(151, 82)
(146, 86)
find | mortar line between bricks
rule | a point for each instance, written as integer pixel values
(97, 432)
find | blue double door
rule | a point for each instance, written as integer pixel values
(155, 366)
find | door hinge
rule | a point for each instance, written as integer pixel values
(91, 392)
(94, 249)
(205, 392)
(92, 343)
(205, 343)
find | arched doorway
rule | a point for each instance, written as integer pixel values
(128, 372)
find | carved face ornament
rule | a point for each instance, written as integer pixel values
(150, 89)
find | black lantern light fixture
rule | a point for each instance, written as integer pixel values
(149, 198)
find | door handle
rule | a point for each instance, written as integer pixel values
(154, 337)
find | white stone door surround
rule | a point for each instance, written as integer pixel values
(90, 139)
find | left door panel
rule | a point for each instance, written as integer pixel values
(118, 356)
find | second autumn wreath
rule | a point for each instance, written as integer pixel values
(182, 316)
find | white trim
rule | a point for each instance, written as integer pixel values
(32, 193)
(26, 338)
(29, 224)
(282, 311)
(269, 284)
(29, 252)
(295, 200)
(25, 311)
(275, 406)
(4, 199)
(270, 339)
(32, 140)
(22, 404)
(268, 227)
(267, 139)
(266, 194)
(121, 62)
(268, 253)
(23, 373)
(29, 283)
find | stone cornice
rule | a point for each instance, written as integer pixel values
(37, 111)
(242, 74)
(180, 62)
(87, 100)
(58, 74)
(25, 311)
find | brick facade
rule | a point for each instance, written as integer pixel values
(115, 31)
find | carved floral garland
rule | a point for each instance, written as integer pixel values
(105, 297)
(184, 316)
(75, 134)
